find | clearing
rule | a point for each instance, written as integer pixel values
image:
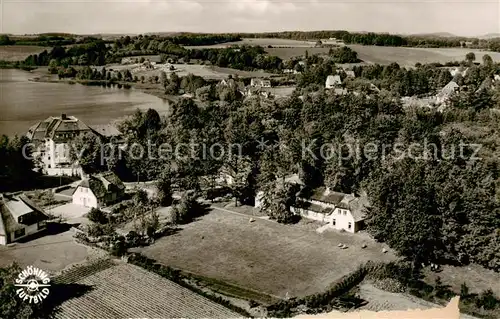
(263, 255)
(120, 290)
(19, 52)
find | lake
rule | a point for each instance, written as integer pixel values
(23, 103)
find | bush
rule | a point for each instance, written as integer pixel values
(97, 216)
(487, 300)
(98, 230)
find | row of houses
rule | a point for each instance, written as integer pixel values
(20, 217)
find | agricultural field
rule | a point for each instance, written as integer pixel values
(121, 290)
(205, 71)
(19, 52)
(264, 42)
(263, 255)
(410, 56)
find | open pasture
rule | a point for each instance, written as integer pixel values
(19, 52)
(263, 255)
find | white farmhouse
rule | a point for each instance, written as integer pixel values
(19, 217)
(340, 211)
(99, 190)
(333, 81)
(260, 83)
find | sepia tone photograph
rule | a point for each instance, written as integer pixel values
(249, 159)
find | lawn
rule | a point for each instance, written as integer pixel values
(264, 255)
(19, 52)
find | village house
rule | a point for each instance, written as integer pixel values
(19, 217)
(350, 74)
(333, 81)
(52, 138)
(260, 83)
(458, 70)
(447, 92)
(99, 190)
(340, 211)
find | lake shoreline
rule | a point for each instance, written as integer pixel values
(147, 88)
(32, 96)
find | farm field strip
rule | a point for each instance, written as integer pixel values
(126, 290)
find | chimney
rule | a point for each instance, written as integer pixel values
(64, 117)
(327, 191)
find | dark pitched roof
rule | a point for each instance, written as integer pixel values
(14, 207)
(56, 127)
(320, 195)
(107, 130)
(103, 183)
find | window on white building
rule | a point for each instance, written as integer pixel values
(19, 233)
(333, 222)
(345, 212)
(349, 225)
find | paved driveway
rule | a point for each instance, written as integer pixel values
(69, 211)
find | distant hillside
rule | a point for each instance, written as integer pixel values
(490, 36)
(437, 35)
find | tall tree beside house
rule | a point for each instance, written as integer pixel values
(163, 79)
(470, 57)
(87, 150)
(164, 188)
(238, 169)
(487, 60)
(276, 199)
(16, 166)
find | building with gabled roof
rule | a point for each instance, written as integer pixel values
(19, 218)
(51, 138)
(99, 190)
(340, 211)
(447, 92)
(333, 81)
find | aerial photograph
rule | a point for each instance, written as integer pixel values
(249, 159)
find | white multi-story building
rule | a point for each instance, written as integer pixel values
(51, 139)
